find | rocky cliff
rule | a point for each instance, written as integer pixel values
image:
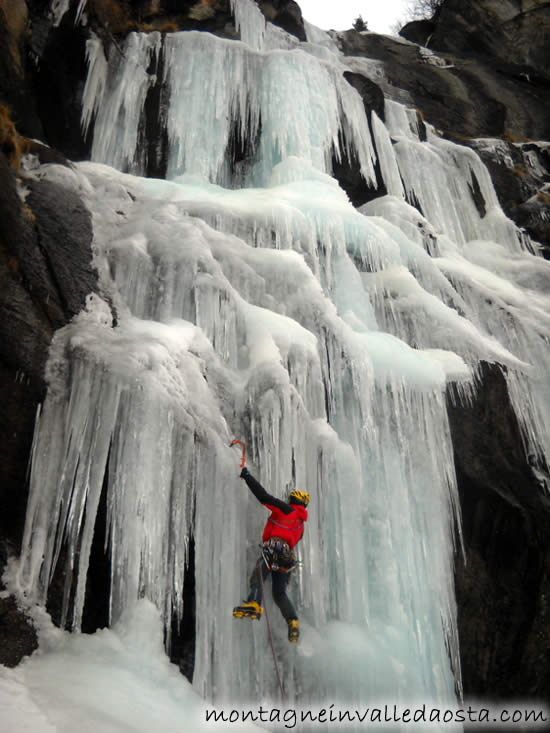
(478, 76)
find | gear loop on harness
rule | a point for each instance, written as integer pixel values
(278, 556)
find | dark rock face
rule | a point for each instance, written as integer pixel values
(286, 14)
(521, 174)
(512, 31)
(55, 68)
(45, 263)
(17, 634)
(16, 87)
(418, 31)
(20, 396)
(64, 231)
(26, 280)
(213, 16)
(501, 586)
(46, 259)
(503, 578)
(465, 97)
(372, 95)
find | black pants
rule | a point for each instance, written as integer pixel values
(279, 582)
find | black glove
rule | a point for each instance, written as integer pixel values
(245, 472)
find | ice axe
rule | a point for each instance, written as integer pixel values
(243, 446)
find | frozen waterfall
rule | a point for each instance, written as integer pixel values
(254, 301)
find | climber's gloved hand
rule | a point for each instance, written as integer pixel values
(245, 472)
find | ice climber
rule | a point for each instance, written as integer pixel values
(283, 530)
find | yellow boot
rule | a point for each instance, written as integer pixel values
(293, 630)
(249, 609)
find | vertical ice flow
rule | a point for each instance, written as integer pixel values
(272, 310)
(216, 89)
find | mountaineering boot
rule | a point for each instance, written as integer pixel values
(293, 630)
(249, 609)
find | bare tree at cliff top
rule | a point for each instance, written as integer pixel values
(423, 9)
(417, 10)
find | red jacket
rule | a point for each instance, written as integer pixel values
(289, 527)
(286, 520)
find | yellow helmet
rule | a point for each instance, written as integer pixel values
(299, 496)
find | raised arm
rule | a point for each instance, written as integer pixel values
(261, 494)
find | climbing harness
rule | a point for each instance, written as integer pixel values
(278, 556)
(269, 634)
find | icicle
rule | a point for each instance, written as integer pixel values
(249, 22)
(118, 99)
(386, 156)
(58, 8)
(80, 10)
(247, 87)
(96, 80)
(447, 182)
